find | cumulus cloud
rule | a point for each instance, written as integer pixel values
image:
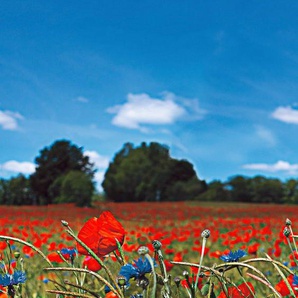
(18, 167)
(98, 160)
(98, 177)
(8, 120)
(286, 114)
(279, 166)
(142, 109)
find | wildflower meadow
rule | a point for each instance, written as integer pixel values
(147, 250)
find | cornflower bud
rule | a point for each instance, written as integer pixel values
(121, 280)
(17, 254)
(156, 244)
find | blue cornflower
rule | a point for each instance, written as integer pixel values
(143, 266)
(71, 252)
(295, 281)
(233, 256)
(12, 279)
(138, 270)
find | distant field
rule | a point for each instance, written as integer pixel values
(254, 228)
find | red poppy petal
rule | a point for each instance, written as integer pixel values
(88, 234)
(99, 234)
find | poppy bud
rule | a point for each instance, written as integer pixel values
(64, 223)
(177, 281)
(143, 250)
(287, 232)
(205, 234)
(288, 222)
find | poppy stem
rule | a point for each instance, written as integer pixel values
(27, 244)
(157, 247)
(121, 252)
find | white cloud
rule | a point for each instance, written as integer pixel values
(8, 120)
(82, 99)
(98, 177)
(266, 135)
(99, 161)
(143, 109)
(286, 114)
(280, 166)
(18, 167)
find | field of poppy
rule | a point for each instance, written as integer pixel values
(180, 249)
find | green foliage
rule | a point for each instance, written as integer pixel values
(148, 173)
(52, 163)
(74, 187)
(216, 192)
(16, 191)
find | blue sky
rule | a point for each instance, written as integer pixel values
(216, 81)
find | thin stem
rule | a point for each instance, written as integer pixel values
(293, 240)
(87, 271)
(153, 292)
(244, 280)
(201, 260)
(72, 294)
(28, 244)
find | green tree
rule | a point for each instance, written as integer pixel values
(291, 191)
(148, 173)
(267, 190)
(18, 191)
(55, 161)
(75, 187)
(240, 189)
(216, 191)
(3, 191)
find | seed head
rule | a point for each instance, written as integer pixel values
(205, 234)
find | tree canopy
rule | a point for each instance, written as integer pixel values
(149, 173)
(53, 163)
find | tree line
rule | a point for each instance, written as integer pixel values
(64, 174)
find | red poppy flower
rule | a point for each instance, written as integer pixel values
(239, 292)
(283, 289)
(100, 234)
(55, 257)
(91, 264)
